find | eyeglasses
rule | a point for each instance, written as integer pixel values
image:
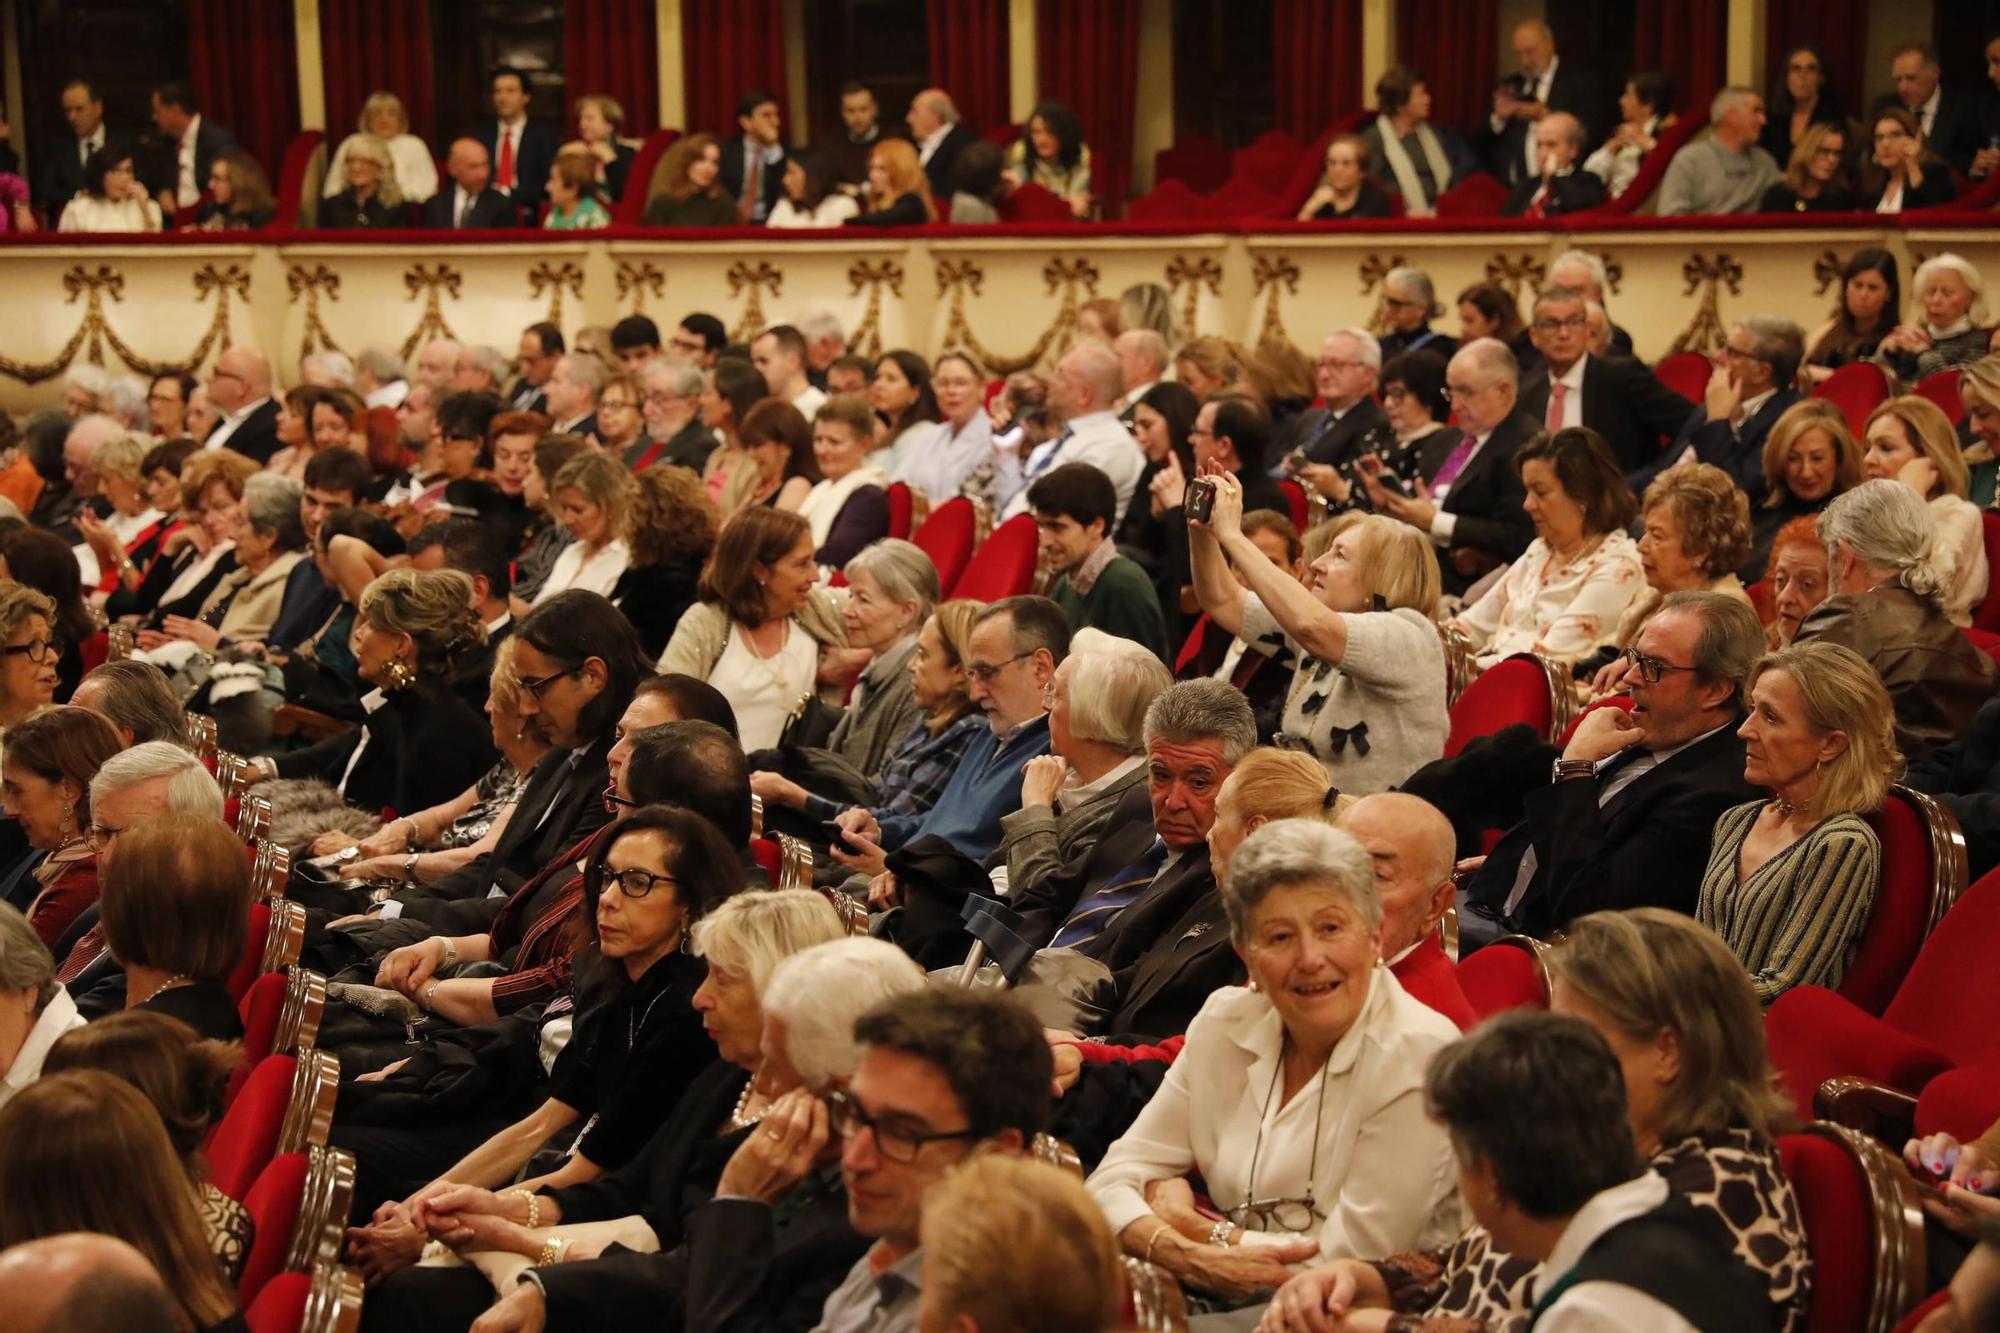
(1395, 393)
(979, 671)
(1742, 352)
(637, 883)
(1295, 1215)
(896, 1141)
(1574, 324)
(1459, 392)
(662, 399)
(1651, 668)
(36, 651)
(1399, 302)
(100, 837)
(535, 687)
(1328, 363)
(623, 403)
(693, 345)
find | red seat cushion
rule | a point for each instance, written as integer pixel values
(1615, 701)
(1169, 201)
(247, 1137)
(1686, 373)
(1942, 389)
(1268, 162)
(273, 1206)
(1501, 977)
(1193, 162)
(1035, 203)
(1952, 989)
(901, 506)
(1915, 1318)
(1516, 690)
(1815, 1035)
(1856, 389)
(261, 1008)
(245, 974)
(1295, 499)
(1833, 1204)
(946, 536)
(281, 1306)
(1963, 1103)
(1004, 566)
(1901, 912)
(769, 856)
(1986, 616)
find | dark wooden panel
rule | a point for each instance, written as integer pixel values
(1223, 69)
(882, 43)
(470, 37)
(124, 47)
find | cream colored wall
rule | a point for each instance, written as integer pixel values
(1153, 109)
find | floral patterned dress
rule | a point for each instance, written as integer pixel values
(1562, 609)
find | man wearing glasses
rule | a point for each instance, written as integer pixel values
(1750, 388)
(1619, 399)
(239, 388)
(1627, 818)
(674, 430)
(1351, 423)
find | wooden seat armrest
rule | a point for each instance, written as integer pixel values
(1885, 1114)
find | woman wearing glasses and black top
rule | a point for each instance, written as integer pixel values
(1298, 1101)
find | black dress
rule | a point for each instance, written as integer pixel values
(654, 597)
(1784, 199)
(697, 210)
(425, 745)
(204, 1006)
(344, 213)
(1371, 202)
(907, 211)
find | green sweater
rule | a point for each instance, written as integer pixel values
(1121, 602)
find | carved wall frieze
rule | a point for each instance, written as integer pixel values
(553, 278)
(1074, 279)
(1708, 274)
(94, 332)
(755, 279)
(431, 282)
(862, 273)
(635, 280)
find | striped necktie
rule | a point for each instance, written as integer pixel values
(1087, 922)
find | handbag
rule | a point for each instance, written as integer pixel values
(810, 725)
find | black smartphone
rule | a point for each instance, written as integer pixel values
(1200, 502)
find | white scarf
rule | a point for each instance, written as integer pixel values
(824, 502)
(1405, 171)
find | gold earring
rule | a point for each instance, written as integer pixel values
(400, 673)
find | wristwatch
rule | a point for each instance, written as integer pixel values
(1565, 769)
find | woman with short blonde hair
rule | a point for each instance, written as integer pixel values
(1910, 440)
(372, 199)
(1208, 366)
(592, 494)
(1790, 879)
(384, 117)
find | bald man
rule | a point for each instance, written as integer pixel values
(939, 137)
(1558, 187)
(80, 1280)
(239, 389)
(1083, 393)
(1542, 83)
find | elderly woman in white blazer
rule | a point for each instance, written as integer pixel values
(1299, 1101)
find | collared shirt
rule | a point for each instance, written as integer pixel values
(507, 133)
(189, 189)
(941, 465)
(58, 1016)
(1084, 577)
(769, 155)
(462, 201)
(391, 394)
(370, 701)
(1591, 1305)
(1096, 438)
(1572, 386)
(1927, 113)
(227, 427)
(930, 144)
(89, 144)
(1752, 406)
(1084, 791)
(879, 1295)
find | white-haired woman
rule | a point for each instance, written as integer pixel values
(1790, 879)
(1299, 1100)
(246, 602)
(1097, 751)
(1953, 330)
(1367, 696)
(130, 537)
(383, 117)
(373, 199)
(34, 1008)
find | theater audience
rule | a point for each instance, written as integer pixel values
(730, 475)
(471, 201)
(671, 403)
(1910, 440)
(1489, 311)
(1749, 389)
(892, 588)
(35, 1010)
(545, 538)
(384, 119)
(1207, 366)
(248, 600)
(1646, 111)
(1062, 1273)
(1405, 150)
(1809, 457)
(1051, 153)
(1161, 420)
(1558, 186)
(848, 508)
(693, 195)
(174, 905)
(1817, 179)
(1082, 394)
(1979, 432)
(1952, 332)
(38, 560)
(1942, 115)
(1725, 172)
(1629, 409)
(780, 441)
(811, 200)
(905, 407)
(1798, 577)
(1886, 604)
(673, 532)
(761, 624)
(112, 199)
(45, 777)
(1096, 587)
(598, 120)
(594, 497)
(1345, 190)
(1807, 100)
(239, 196)
(573, 202)
(1791, 878)
(1869, 307)
(1409, 304)
(1904, 172)
(898, 193)
(373, 197)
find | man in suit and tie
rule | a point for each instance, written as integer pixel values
(471, 201)
(1082, 394)
(189, 146)
(1472, 509)
(1557, 186)
(1627, 817)
(1352, 423)
(753, 159)
(1543, 84)
(521, 150)
(573, 388)
(541, 347)
(939, 137)
(1619, 399)
(1948, 117)
(239, 389)
(60, 175)
(1583, 271)
(1750, 388)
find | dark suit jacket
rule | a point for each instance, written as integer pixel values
(1574, 89)
(425, 746)
(956, 140)
(1573, 193)
(1046, 903)
(689, 448)
(532, 160)
(1341, 442)
(1647, 847)
(1486, 497)
(60, 173)
(1169, 952)
(525, 397)
(1623, 402)
(490, 209)
(1937, 680)
(1964, 773)
(1955, 129)
(210, 142)
(1739, 452)
(773, 183)
(257, 437)
(472, 678)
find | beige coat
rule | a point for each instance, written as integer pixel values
(256, 608)
(703, 634)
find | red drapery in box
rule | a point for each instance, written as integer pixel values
(610, 48)
(1087, 52)
(375, 45)
(245, 72)
(1316, 49)
(1837, 29)
(1684, 38)
(969, 59)
(1456, 44)
(728, 48)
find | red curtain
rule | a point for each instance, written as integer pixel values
(244, 68)
(728, 48)
(1684, 38)
(609, 47)
(1838, 29)
(369, 46)
(969, 59)
(1316, 49)
(1456, 43)
(1087, 53)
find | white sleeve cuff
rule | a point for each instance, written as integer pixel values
(1442, 525)
(390, 909)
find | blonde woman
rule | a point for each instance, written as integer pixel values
(1810, 456)
(593, 495)
(899, 194)
(126, 542)
(1208, 366)
(1367, 696)
(383, 117)
(373, 198)
(598, 119)
(1790, 879)
(1911, 440)
(1979, 391)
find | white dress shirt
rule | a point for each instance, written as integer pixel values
(809, 400)
(599, 574)
(89, 144)
(189, 189)
(1927, 113)
(930, 144)
(1096, 438)
(939, 463)
(1572, 394)
(1601, 1305)
(227, 426)
(58, 1016)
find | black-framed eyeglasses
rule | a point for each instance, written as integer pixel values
(1651, 668)
(1575, 324)
(38, 650)
(984, 672)
(536, 686)
(636, 883)
(898, 1143)
(1295, 1215)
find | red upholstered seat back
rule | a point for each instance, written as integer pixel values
(1240, 198)
(630, 210)
(273, 1205)
(1477, 196)
(1267, 162)
(1502, 976)
(1615, 701)
(1942, 389)
(1194, 162)
(1856, 389)
(247, 1137)
(1191, 646)
(1901, 914)
(769, 856)
(1295, 498)
(261, 1007)
(281, 1306)
(901, 506)
(292, 178)
(1653, 167)
(1169, 201)
(1034, 203)
(946, 536)
(1686, 373)
(245, 974)
(1986, 615)
(1833, 1204)
(1963, 1103)
(1004, 566)
(1985, 640)
(1951, 991)
(1516, 690)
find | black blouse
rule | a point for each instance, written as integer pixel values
(1784, 199)
(343, 212)
(204, 1006)
(907, 211)
(425, 746)
(1370, 203)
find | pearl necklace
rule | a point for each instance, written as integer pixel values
(737, 1118)
(175, 980)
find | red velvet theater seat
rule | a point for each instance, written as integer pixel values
(273, 1204)
(1511, 691)
(1004, 566)
(947, 537)
(1510, 973)
(1923, 874)
(247, 1137)
(1857, 390)
(1863, 1228)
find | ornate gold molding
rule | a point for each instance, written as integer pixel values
(429, 281)
(1194, 274)
(553, 278)
(1075, 279)
(95, 333)
(313, 283)
(636, 279)
(1273, 272)
(1510, 273)
(1826, 269)
(867, 336)
(755, 278)
(1710, 274)
(1371, 271)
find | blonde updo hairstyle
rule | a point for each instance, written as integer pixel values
(433, 607)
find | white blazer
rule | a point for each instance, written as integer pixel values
(1385, 1179)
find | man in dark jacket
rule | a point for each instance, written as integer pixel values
(1543, 83)
(754, 156)
(1621, 400)
(1559, 187)
(1746, 395)
(521, 150)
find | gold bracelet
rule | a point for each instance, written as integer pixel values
(551, 1254)
(1154, 1239)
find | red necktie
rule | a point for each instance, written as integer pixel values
(506, 181)
(1557, 390)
